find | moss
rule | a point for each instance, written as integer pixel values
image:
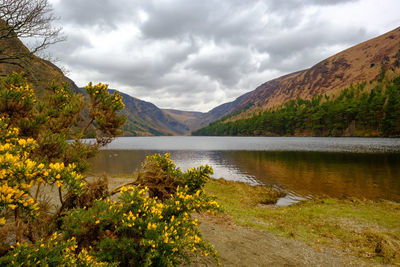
(248, 196)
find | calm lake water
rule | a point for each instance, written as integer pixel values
(304, 166)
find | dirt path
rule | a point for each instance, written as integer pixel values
(241, 246)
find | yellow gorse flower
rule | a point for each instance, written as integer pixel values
(19, 172)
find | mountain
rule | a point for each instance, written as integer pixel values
(39, 72)
(143, 118)
(195, 120)
(365, 62)
(191, 119)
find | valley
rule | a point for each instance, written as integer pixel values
(373, 63)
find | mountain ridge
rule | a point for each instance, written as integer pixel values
(362, 62)
(144, 118)
(367, 61)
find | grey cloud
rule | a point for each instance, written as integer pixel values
(197, 54)
(75, 42)
(279, 5)
(226, 65)
(301, 48)
(131, 70)
(310, 37)
(187, 93)
(104, 13)
(222, 20)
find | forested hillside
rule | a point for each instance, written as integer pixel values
(363, 62)
(357, 111)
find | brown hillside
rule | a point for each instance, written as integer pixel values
(363, 62)
(191, 119)
(38, 71)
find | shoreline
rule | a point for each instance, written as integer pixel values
(328, 231)
(363, 232)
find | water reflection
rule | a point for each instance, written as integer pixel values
(115, 162)
(301, 173)
(334, 174)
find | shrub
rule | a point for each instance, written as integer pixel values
(162, 177)
(19, 173)
(56, 114)
(34, 131)
(52, 252)
(196, 178)
(97, 189)
(141, 230)
(148, 226)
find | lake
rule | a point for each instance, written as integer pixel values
(303, 166)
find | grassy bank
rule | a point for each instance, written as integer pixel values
(366, 229)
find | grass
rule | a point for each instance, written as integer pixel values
(366, 229)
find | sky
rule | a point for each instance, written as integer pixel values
(195, 55)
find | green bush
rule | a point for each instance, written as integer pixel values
(41, 145)
(162, 177)
(140, 230)
(196, 178)
(53, 252)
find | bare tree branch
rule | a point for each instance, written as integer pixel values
(30, 19)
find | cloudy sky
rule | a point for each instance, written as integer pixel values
(195, 55)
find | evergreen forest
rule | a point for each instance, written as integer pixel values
(357, 111)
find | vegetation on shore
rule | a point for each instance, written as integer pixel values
(144, 227)
(150, 223)
(355, 112)
(369, 230)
